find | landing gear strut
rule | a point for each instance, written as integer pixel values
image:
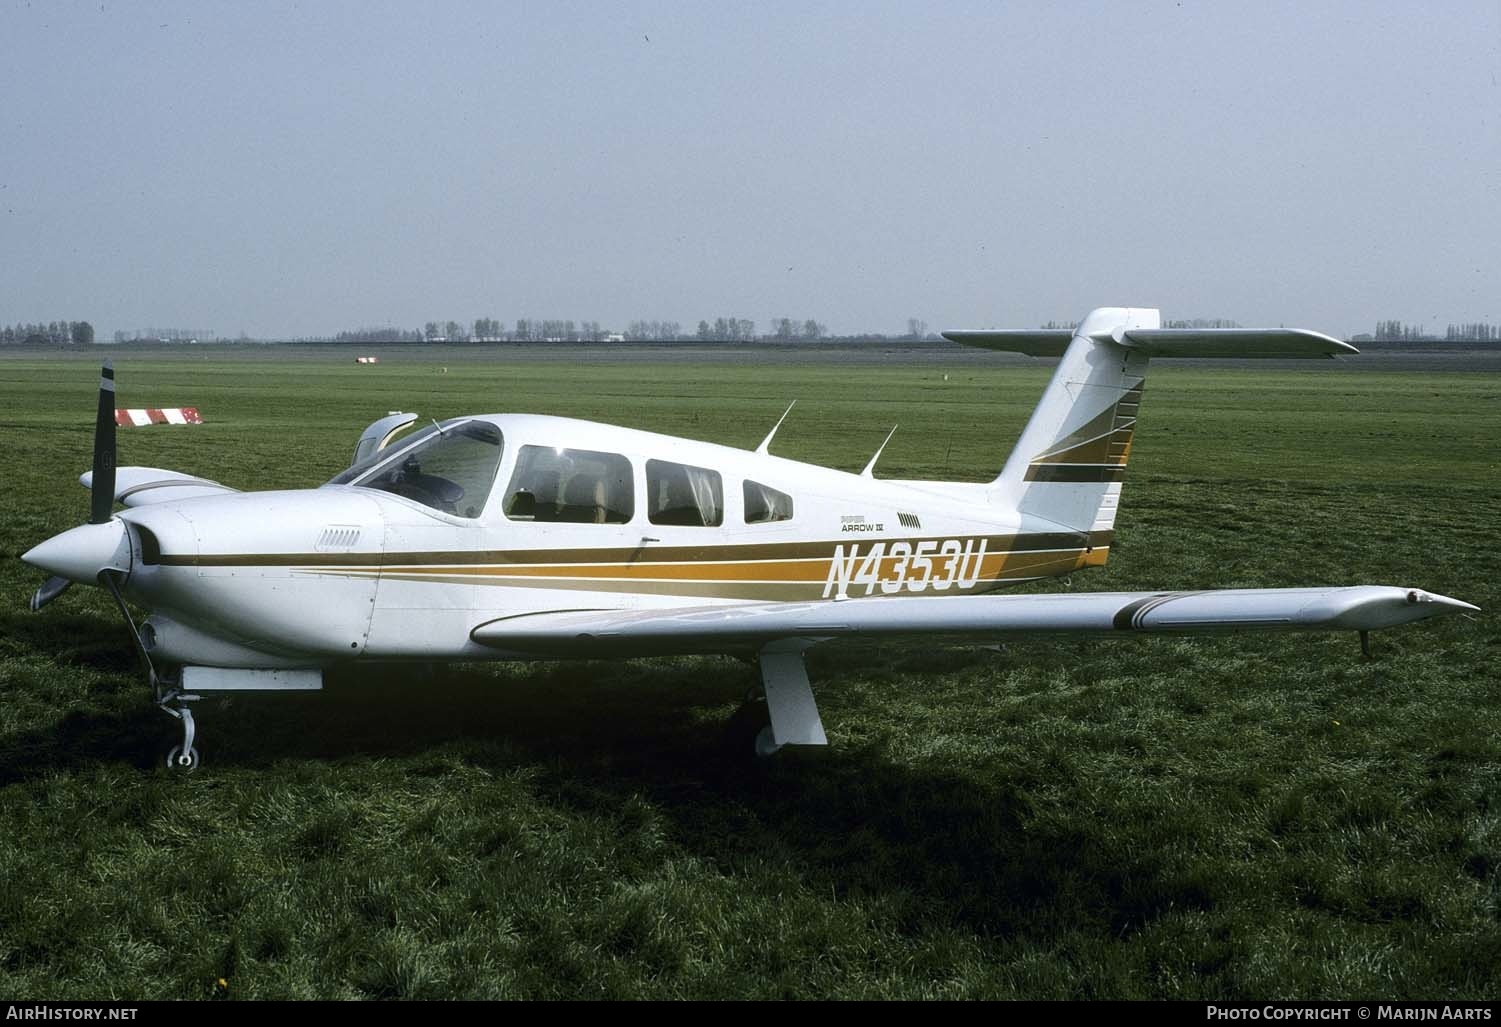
(172, 700)
(174, 703)
(781, 710)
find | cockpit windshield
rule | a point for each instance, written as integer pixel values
(449, 468)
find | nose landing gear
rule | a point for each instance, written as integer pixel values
(171, 699)
(182, 758)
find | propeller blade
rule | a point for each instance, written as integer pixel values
(103, 495)
(50, 590)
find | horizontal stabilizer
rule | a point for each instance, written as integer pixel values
(729, 628)
(1241, 343)
(1044, 342)
(142, 486)
(1233, 342)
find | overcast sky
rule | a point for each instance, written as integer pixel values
(304, 169)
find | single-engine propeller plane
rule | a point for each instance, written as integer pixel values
(511, 536)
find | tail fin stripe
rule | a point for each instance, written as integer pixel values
(1075, 473)
(1103, 449)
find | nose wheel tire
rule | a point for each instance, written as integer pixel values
(183, 758)
(184, 762)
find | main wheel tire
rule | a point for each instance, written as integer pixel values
(766, 745)
(183, 764)
(743, 731)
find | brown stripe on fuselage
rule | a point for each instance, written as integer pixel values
(728, 552)
(737, 581)
(777, 591)
(769, 591)
(814, 569)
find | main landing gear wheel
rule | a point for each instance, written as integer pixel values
(748, 731)
(181, 762)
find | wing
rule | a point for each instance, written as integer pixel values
(142, 486)
(736, 628)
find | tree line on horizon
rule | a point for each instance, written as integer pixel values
(721, 329)
(53, 333)
(487, 329)
(1396, 331)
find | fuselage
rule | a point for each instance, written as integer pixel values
(534, 514)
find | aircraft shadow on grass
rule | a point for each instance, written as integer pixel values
(74, 640)
(955, 848)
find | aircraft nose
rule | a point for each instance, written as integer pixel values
(80, 554)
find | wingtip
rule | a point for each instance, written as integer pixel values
(1446, 604)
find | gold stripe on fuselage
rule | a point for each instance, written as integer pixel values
(801, 579)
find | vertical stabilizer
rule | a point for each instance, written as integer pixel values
(1066, 470)
(1069, 463)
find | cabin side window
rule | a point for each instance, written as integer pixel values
(764, 504)
(571, 486)
(684, 495)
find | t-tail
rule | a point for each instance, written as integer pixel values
(1068, 466)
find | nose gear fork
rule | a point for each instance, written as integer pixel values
(174, 703)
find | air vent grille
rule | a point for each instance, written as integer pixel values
(338, 536)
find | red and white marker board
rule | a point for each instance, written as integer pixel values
(166, 415)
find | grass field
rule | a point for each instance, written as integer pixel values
(1246, 817)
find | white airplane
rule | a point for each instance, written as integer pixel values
(511, 536)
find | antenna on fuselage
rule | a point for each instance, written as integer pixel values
(870, 467)
(765, 445)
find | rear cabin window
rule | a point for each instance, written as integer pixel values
(764, 504)
(452, 469)
(684, 495)
(572, 486)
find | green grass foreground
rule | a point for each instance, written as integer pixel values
(1252, 817)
